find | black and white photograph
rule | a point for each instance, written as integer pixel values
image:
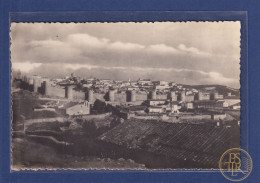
(124, 95)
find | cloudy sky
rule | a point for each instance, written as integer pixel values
(184, 52)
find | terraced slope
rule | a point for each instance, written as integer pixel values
(201, 144)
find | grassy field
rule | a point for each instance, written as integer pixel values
(29, 154)
(65, 145)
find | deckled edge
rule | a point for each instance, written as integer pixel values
(14, 169)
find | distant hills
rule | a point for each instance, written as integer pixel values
(221, 89)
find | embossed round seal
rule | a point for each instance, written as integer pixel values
(235, 164)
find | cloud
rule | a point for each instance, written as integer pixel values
(162, 48)
(25, 66)
(199, 52)
(85, 40)
(192, 50)
(125, 46)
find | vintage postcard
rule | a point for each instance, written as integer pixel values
(124, 95)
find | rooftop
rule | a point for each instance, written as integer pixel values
(232, 97)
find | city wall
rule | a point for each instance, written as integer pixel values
(161, 96)
(181, 118)
(120, 97)
(78, 95)
(41, 120)
(218, 116)
(148, 117)
(31, 121)
(68, 92)
(62, 119)
(195, 117)
(56, 92)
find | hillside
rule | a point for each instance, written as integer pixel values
(195, 145)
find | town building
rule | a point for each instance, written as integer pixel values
(189, 105)
(175, 108)
(172, 84)
(189, 98)
(172, 96)
(156, 109)
(214, 104)
(155, 102)
(236, 106)
(161, 83)
(202, 96)
(161, 87)
(144, 82)
(216, 96)
(231, 100)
